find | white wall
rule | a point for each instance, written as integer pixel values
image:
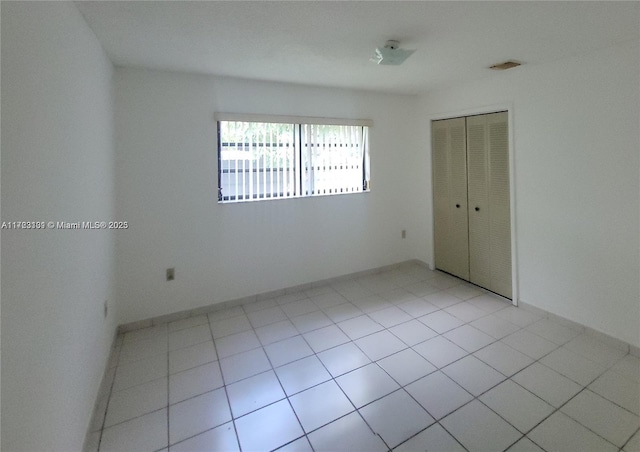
(167, 190)
(576, 135)
(57, 165)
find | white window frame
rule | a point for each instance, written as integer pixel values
(303, 164)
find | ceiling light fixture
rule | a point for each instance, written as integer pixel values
(391, 54)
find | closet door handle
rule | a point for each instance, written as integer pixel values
(477, 209)
(457, 206)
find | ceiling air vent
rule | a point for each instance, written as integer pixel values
(506, 65)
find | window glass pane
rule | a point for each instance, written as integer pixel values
(334, 159)
(256, 160)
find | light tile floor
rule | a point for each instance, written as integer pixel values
(407, 359)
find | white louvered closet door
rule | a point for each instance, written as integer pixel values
(489, 206)
(471, 200)
(450, 197)
(499, 204)
(477, 156)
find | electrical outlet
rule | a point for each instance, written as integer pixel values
(171, 274)
(404, 233)
(106, 307)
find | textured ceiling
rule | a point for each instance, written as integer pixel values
(330, 43)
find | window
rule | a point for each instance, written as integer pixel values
(290, 157)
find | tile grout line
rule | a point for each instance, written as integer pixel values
(637, 432)
(110, 392)
(502, 381)
(262, 347)
(188, 398)
(333, 379)
(372, 362)
(352, 341)
(286, 396)
(555, 409)
(215, 347)
(168, 391)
